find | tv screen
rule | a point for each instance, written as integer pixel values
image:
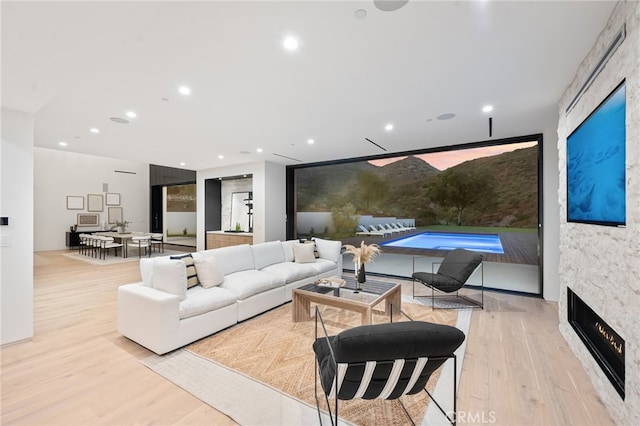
(596, 164)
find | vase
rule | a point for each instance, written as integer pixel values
(361, 274)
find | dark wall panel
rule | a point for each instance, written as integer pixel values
(164, 176)
(212, 206)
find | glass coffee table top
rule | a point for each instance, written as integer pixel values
(367, 291)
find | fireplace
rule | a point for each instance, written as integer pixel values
(605, 345)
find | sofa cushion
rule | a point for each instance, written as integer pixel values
(303, 253)
(233, 259)
(200, 300)
(291, 271)
(265, 254)
(328, 249)
(322, 265)
(192, 276)
(209, 273)
(245, 284)
(287, 247)
(146, 269)
(170, 276)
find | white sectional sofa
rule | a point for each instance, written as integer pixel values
(235, 283)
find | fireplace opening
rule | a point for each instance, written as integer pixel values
(605, 345)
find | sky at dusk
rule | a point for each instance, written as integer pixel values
(445, 159)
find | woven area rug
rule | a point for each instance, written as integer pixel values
(276, 351)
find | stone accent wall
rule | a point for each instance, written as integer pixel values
(602, 264)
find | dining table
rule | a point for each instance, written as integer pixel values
(123, 237)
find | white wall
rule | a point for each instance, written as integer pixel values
(61, 173)
(268, 198)
(275, 190)
(16, 203)
(318, 221)
(176, 222)
(602, 264)
(551, 214)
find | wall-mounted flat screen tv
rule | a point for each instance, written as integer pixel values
(596, 164)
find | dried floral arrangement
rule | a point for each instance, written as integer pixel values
(364, 253)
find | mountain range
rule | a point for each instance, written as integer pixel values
(402, 188)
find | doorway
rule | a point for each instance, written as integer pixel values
(174, 213)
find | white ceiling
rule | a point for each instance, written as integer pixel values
(76, 64)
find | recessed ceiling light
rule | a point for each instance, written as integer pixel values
(310, 141)
(487, 108)
(259, 150)
(388, 127)
(184, 90)
(220, 157)
(131, 114)
(61, 143)
(94, 130)
(290, 43)
(360, 14)
(183, 164)
(447, 116)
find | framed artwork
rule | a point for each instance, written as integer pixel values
(88, 219)
(75, 202)
(113, 199)
(94, 202)
(115, 214)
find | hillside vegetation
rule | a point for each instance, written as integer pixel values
(405, 188)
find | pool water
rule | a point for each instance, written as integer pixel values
(487, 243)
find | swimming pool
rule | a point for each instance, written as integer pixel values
(487, 243)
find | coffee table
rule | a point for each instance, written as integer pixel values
(371, 294)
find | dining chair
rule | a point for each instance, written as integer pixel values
(141, 242)
(157, 240)
(83, 244)
(109, 243)
(93, 243)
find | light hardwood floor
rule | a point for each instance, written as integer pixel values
(78, 370)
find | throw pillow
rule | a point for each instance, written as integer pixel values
(192, 274)
(303, 253)
(209, 274)
(328, 249)
(170, 276)
(315, 250)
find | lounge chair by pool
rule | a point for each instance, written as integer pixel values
(365, 231)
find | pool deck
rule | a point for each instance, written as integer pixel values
(518, 248)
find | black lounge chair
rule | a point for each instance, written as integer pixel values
(452, 274)
(383, 361)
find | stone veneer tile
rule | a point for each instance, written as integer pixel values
(602, 264)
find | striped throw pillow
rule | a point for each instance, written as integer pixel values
(192, 276)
